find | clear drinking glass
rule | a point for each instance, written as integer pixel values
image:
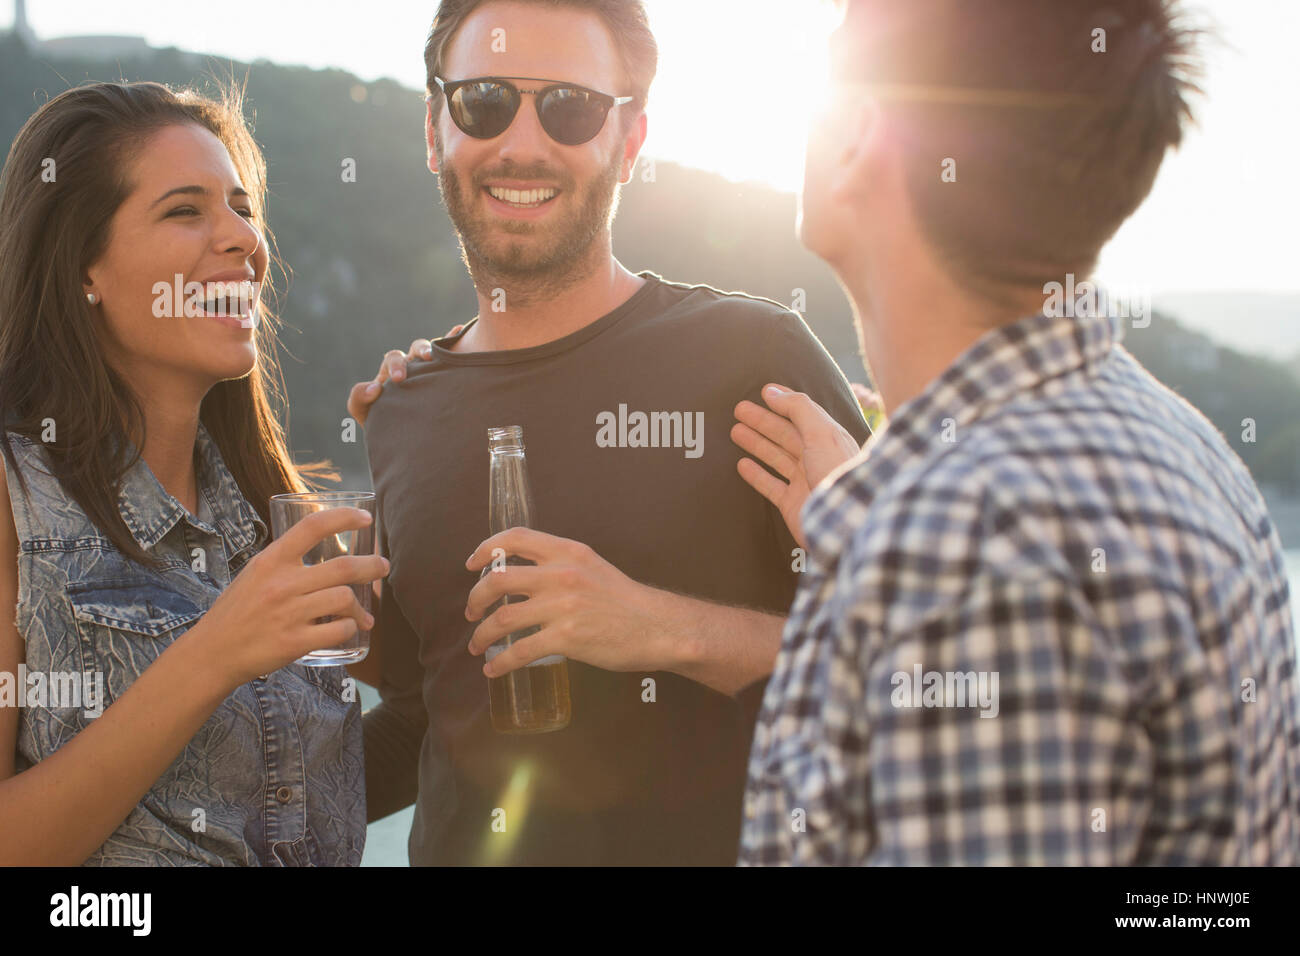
(288, 510)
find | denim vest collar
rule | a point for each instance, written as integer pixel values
(150, 511)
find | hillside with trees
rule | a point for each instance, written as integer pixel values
(375, 262)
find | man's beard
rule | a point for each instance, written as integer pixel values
(565, 243)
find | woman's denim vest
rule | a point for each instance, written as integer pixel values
(275, 776)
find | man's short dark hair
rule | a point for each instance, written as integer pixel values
(1056, 115)
(625, 19)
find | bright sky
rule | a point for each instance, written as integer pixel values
(1222, 216)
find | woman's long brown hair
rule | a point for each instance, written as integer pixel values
(65, 177)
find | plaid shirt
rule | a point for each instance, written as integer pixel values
(1044, 621)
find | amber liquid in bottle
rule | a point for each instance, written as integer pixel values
(532, 699)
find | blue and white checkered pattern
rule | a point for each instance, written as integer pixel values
(1048, 516)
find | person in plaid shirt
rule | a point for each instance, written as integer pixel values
(1045, 617)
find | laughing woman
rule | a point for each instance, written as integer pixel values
(140, 456)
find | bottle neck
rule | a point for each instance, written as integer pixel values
(510, 503)
(506, 439)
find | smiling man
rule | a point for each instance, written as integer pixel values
(658, 574)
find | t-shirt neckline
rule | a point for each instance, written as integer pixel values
(547, 349)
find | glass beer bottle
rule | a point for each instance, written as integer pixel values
(532, 699)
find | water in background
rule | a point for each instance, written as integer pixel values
(386, 838)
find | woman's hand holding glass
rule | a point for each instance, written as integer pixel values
(268, 616)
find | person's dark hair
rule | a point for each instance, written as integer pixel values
(51, 365)
(625, 19)
(1053, 142)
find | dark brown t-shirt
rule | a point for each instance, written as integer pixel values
(628, 781)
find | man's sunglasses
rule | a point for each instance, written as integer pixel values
(484, 107)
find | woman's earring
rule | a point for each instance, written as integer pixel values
(92, 298)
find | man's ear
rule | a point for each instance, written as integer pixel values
(632, 144)
(857, 150)
(429, 134)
